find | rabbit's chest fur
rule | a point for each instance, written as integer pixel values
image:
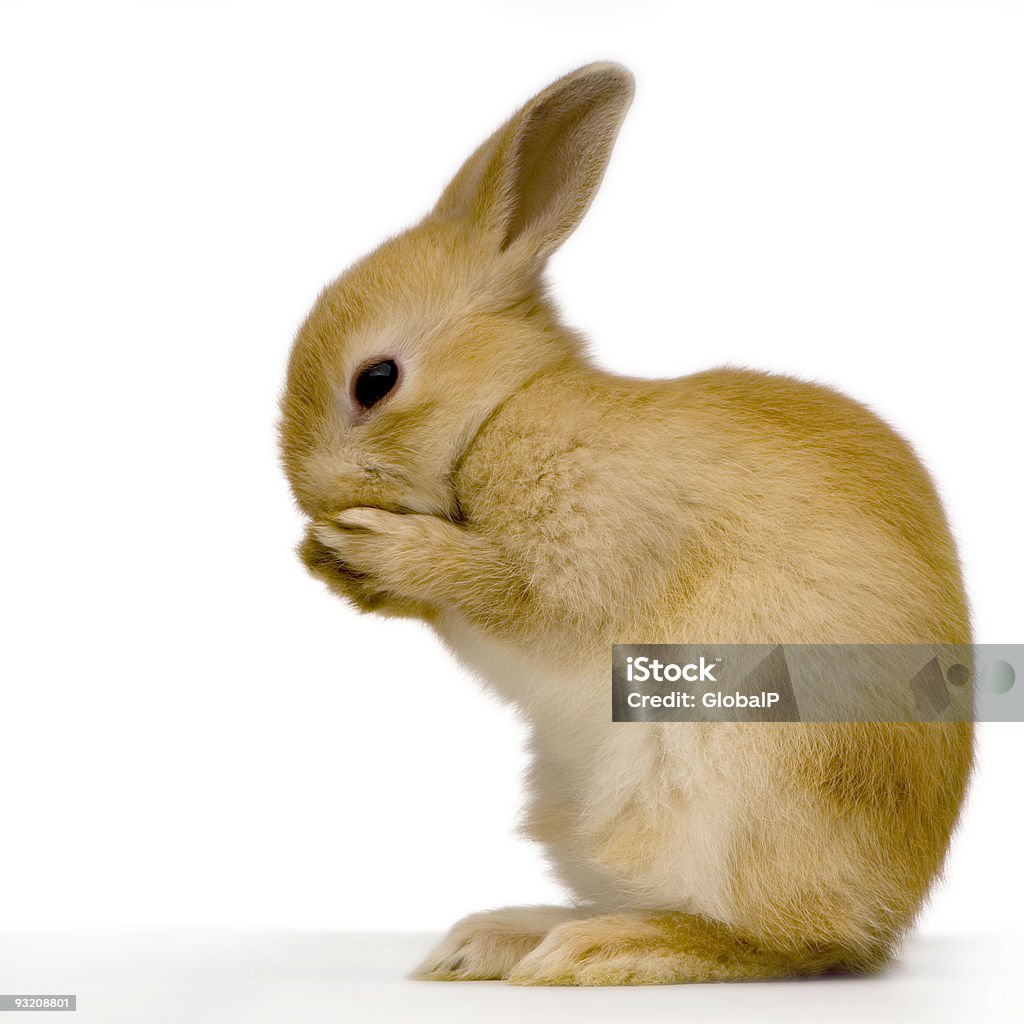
(628, 815)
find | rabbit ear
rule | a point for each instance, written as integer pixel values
(529, 185)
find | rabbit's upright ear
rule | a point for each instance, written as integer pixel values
(529, 185)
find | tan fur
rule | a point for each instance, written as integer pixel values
(536, 509)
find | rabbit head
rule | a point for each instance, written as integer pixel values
(405, 356)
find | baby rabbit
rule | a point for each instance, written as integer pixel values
(461, 460)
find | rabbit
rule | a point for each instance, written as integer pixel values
(462, 461)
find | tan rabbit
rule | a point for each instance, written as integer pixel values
(462, 461)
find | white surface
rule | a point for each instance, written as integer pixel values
(194, 732)
(313, 977)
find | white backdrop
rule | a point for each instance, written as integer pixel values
(830, 189)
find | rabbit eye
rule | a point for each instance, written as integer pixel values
(375, 381)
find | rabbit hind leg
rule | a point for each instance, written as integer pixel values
(664, 949)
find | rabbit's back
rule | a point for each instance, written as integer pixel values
(726, 507)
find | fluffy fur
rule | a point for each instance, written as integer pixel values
(536, 509)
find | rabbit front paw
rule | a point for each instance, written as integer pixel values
(324, 563)
(421, 564)
(486, 946)
(384, 553)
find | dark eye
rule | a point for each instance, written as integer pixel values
(375, 381)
